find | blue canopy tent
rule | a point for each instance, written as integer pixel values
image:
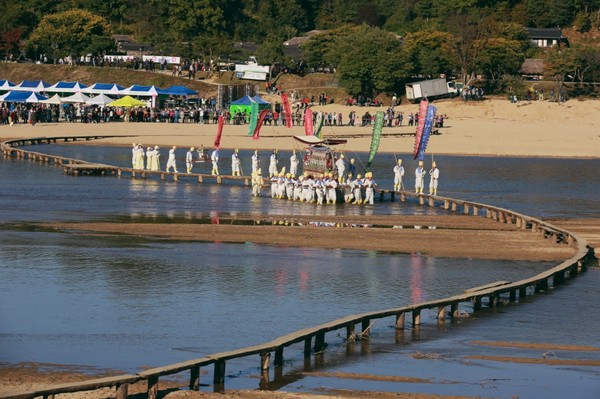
(244, 103)
(103, 88)
(22, 97)
(178, 91)
(32, 85)
(6, 85)
(66, 87)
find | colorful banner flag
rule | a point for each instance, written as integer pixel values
(287, 109)
(220, 123)
(376, 137)
(420, 125)
(308, 122)
(253, 117)
(259, 123)
(426, 130)
(318, 125)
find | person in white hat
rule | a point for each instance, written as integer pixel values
(149, 156)
(156, 159)
(398, 175)
(341, 168)
(171, 162)
(236, 164)
(419, 176)
(214, 158)
(189, 160)
(294, 162)
(434, 175)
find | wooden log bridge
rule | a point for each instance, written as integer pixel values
(314, 338)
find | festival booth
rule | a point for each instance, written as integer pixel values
(78, 98)
(103, 88)
(243, 105)
(22, 97)
(55, 99)
(101, 99)
(143, 91)
(127, 102)
(177, 95)
(66, 87)
(32, 85)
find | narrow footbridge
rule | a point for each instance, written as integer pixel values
(313, 339)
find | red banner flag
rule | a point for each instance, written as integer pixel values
(287, 109)
(220, 124)
(261, 119)
(308, 122)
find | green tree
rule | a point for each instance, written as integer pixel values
(431, 53)
(271, 51)
(500, 57)
(371, 61)
(72, 32)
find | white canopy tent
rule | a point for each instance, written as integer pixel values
(75, 98)
(101, 99)
(55, 99)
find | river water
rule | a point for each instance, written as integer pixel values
(129, 303)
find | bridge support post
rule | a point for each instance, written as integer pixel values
(195, 378)
(400, 321)
(278, 362)
(307, 347)
(349, 330)
(446, 204)
(265, 361)
(381, 194)
(453, 309)
(416, 317)
(454, 206)
(152, 387)
(421, 200)
(441, 316)
(466, 209)
(122, 391)
(477, 303)
(320, 342)
(219, 374)
(402, 197)
(522, 292)
(200, 179)
(512, 296)
(392, 196)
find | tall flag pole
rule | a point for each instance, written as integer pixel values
(376, 137)
(287, 109)
(253, 117)
(308, 122)
(220, 123)
(420, 125)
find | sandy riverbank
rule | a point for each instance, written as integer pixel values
(492, 127)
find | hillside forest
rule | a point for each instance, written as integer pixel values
(375, 46)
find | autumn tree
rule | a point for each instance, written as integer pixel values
(72, 32)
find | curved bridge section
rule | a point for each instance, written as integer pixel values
(314, 338)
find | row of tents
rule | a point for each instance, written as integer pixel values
(40, 86)
(29, 91)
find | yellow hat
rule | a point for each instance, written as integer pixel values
(420, 163)
(434, 164)
(399, 162)
(358, 176)
(192, 148)
(236, 150)
(342, 156)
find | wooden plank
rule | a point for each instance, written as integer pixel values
(486, 286)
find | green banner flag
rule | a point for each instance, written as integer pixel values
(376, 137)
(253, 118)
(319, 125)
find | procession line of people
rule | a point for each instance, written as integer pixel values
(310, 188)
